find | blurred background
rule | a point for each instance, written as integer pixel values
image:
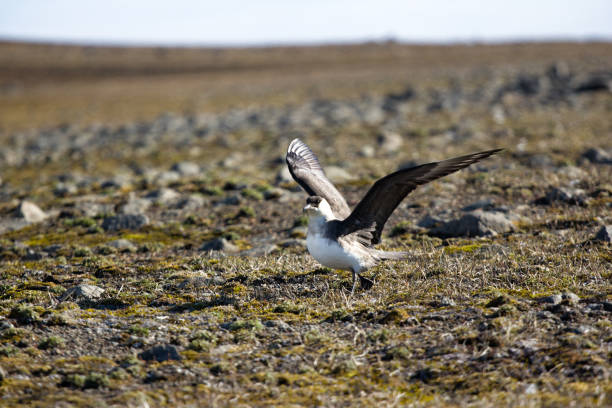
(128, 78)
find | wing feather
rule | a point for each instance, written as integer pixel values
(308, 173)
(386, 194)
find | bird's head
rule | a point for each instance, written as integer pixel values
(318, 207)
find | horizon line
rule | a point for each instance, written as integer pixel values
(307, 43)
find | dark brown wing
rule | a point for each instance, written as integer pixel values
(386, 194)
(306, 170)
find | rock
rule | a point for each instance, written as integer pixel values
(539, 160)
(118, 181)
(167, 177)
(187, 169)
(235, 199)
(367, 151)
(485, 204)
(604, 234)
(475, 224)
(597, 156)
(160, 353)
(429, 222)
(2, 375)
(191, 203)
(552, 299)
(443, 301)
(30, 212)
(82, 292)
(338, 174)
(135, 205)
(122, 245)
(595, 83)
(64, 189)
(574, 196)
(389, 142)
(570, 297)
(163, 196)
(573, 172)
(124, 222)
(273, 193)
(219, 244)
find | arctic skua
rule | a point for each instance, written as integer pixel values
(343, 239)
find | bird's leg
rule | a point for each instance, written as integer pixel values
(354, 283)
(366, 283)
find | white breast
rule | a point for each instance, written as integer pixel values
(329, 253)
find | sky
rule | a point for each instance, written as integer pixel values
(270, 22)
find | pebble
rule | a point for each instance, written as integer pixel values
(30, 212)
(604, 234)
(160, 353)
(124, 222)
(163, 196)
(186, 169)
(82, 292)
(219, 244)
(475, 224)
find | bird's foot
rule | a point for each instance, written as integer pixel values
(365, 283)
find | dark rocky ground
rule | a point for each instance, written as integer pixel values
(162, 262)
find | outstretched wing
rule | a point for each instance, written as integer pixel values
(386, 194)
(306, 170)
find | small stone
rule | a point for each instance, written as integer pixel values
(531, 389)
(122, 245)
(2, 375)
(163, 196)
(597, 156)
(187, 169)
(475, 224)
(389, 142)
(30, 212)
(429, 222)
(553, 299)
(570, 297)
(604, 234)
(219, 244)
(367, 151)
(167, 177)
(124, 222)
(135, 205)
(235, 199)
(573, 172)
(574, 196)
(64, 189)
(191, 203)
(443, 301)
(85, 292)
(484, 204)
(160, 353)
(274, 193)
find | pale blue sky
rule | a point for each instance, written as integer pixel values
(260, 22)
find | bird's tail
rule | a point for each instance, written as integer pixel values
(392, 255)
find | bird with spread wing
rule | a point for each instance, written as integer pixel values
(343, 239)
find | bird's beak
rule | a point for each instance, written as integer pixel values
(305, 209)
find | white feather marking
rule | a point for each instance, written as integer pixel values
(329, 253)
